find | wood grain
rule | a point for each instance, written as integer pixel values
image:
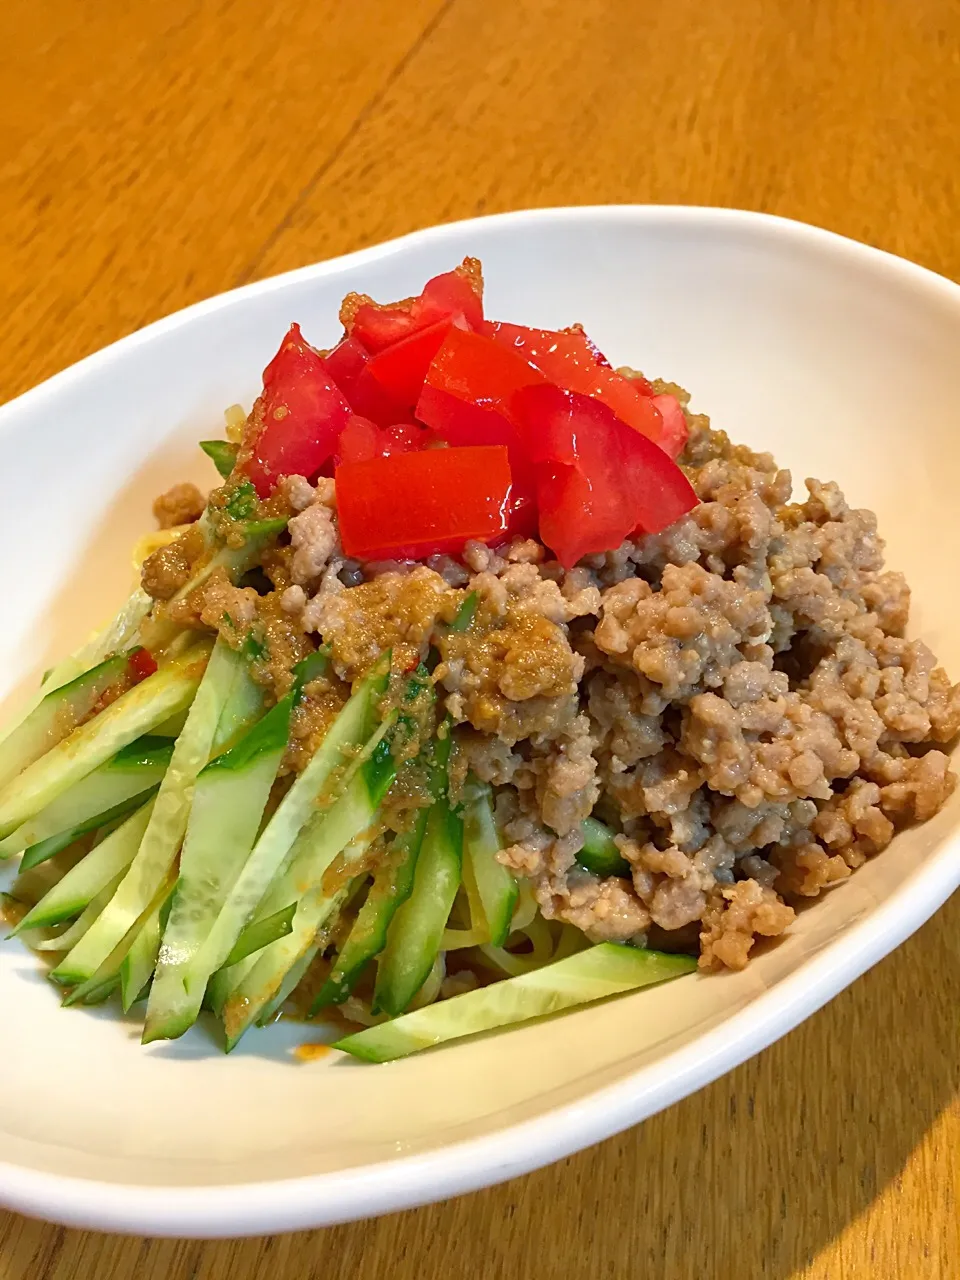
(154, 154)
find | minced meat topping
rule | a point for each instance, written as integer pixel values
(735, 695)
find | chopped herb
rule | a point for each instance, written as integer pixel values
(242, 502)
(465, 614)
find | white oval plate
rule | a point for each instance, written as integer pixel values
(841, 359)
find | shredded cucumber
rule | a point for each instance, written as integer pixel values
(344, 829)
(118, 634)
(231, 795)
(84, 882)
(131, 773)
(491, 889)
(141, 960)
(391, 888)
(168, 821)
(56, 716)
(416, 933)
(601, 971)
(70, 937)
(600, 853)
(136, 712)
(326, 773)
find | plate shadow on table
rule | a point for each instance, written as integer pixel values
(752, 1177)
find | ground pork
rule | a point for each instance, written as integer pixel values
(314, 536)
(181, 504)
(735, 696)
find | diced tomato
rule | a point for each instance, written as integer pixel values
(445, 297)
(401, 368)
(413, 505)
(467, 400)
(597, 480)
(303, 412)
(348, 365)
(569, 359)
(361, 440)
(141, 664)
(469, 389)
(675, 430)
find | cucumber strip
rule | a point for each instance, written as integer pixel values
(119, 633)
(600, 853)
(158, 632)
(53, 845)
(298, 971)
(102, 993)
(57, 715)
(230, 797)
(277, 843)
(236, 561)
(64, 941)
(295, 976)
(109, 975)
(459, 939)
(223, 455)
(604, 970)
(414, 937)
(136, 712)
(168, 821)
(491, 890)
(242, 710)
(307, 860)
(391, 888)
(141, 960)
(282, 979)
(104, 865)
(348, 823)
(259, 935)
(131, 772)
(173, 727)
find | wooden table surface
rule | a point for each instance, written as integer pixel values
(153, 154)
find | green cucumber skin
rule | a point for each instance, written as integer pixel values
(257, 936)
(295, 976)
(227, 808)
(77, 889)
(56, 715)
(119, 633)
(53, 845)
(140, 961)
(342, 826)
(168, 821)
(133, 771)
(88, 915)
(135, 713)
(601, 971)
(277, 843)
(416, 932)
(600, 854)
(391, 889)
(268, 736)
(485, 877)
(84, 988)
(149, 752)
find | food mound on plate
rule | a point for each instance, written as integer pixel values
(490, 681)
